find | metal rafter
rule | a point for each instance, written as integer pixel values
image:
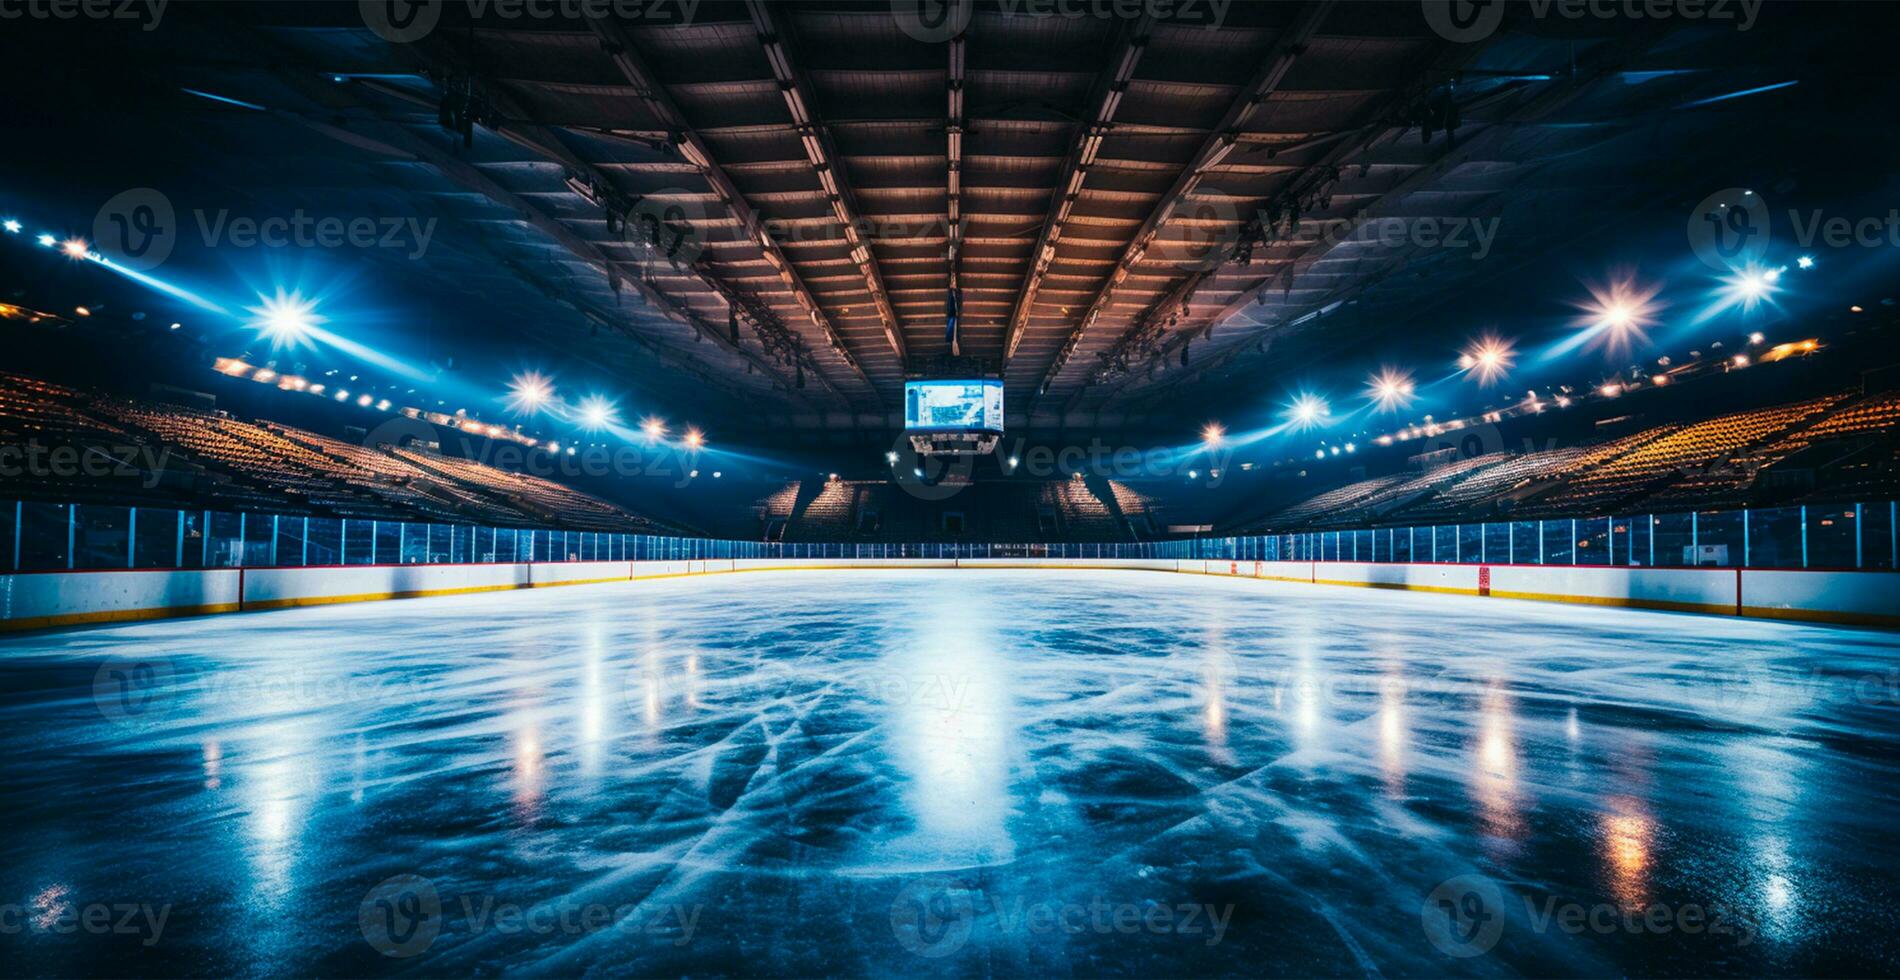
(1606, 61)
(1347, 143)
(953, 199)
(1110, 89)
(397, 140)
(693, 148)
(1212, 153)
(545, 143)
(824, 161)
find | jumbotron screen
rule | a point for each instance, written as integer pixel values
(953, 406)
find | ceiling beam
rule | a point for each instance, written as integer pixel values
(546, 144)
(1218, 145)
(953, 197)
(692, 147)
(398, 141)
(1604, 62)
(1107, 99)
(824, 161)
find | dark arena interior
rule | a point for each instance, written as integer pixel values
(914, 488)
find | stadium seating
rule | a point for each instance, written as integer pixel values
(215, 461)
(1714, 463)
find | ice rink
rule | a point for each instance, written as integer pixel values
(999, 772)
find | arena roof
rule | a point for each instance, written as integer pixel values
(1139, 204)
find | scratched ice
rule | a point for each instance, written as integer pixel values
(909, 773)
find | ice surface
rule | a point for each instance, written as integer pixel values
(916, 773)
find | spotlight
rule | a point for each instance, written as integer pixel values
(596, 412)
(554, 447)
(1351, 448)
(1194, 474)
(1611, 390)
(1804, 262)
(529, 392)
(1756, 337)
(1750, 287)
(342, 395)
(1740, 360)
(82, 311)
(695, 438)
(1307, 411)
(570, 450)
(383, 406)
(177, 325)
(653, 427)
(285, 319)
(717, 474)
(1212, 434)
(75, 248)
(1319, 454)
(1390, 389)
(1013, 461)
(1489, 357)
(47, 241)
(890, 458)
(12, 226)
(1335, 450)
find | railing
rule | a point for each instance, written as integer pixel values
(51, 537)
(46, 537)
(1842, 536)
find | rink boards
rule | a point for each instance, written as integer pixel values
(39, 600)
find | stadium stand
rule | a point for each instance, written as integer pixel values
(1834, 447)
(1694, 450)
(213, 460)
